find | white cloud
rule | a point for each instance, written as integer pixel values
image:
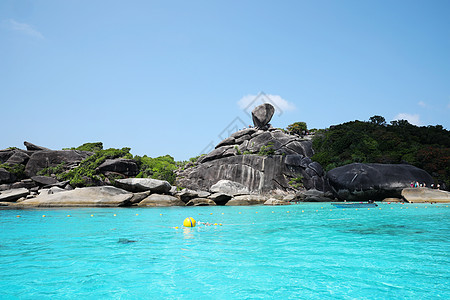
(422, 104)
(23, 28)
(413, 119)
(251, 101)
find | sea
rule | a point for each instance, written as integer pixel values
(303, 251)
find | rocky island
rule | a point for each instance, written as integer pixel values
(256, 165)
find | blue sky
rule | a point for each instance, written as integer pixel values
(174, 77)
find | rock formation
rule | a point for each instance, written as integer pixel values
(261, 159)
(359, 181)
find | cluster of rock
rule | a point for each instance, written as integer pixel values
(36, 158)
(143, 192)
(264, 159)
(260, 165)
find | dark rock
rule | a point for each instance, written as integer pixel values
(201, 202)
(374, 181)
(19, 157)
(5, 155)
(161, 200)
(6, 177)
(186, 195)
(26, 183)
(13, 195)
(33, 147)
(127, 167)
(220, 198)
(49, 158)
(44, 180)
(317, 168)
(314, 195)
(138, 197)
(262, 114)
(136, 185)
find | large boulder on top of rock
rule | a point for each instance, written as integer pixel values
(359, 181)
(126, 167)
(161, 200)
(49, 158)
(99, 196)
(143, 184)
(417, 195)
(262, 114)
(229, 187)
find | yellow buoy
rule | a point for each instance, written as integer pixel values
(68, 215)
(115, 215)
(189, 222)
(17, 216)
(92, 215)
(215, 224)
(137, 214)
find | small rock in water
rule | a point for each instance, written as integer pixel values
(126, 241)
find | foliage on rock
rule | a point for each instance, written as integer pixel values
(162, 167)
(92, 147)
(297, 128)
(17, 170)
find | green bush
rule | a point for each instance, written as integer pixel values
(267, 150)
(162, 167)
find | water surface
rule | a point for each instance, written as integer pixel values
(307, 251)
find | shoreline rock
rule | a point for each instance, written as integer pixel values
(423, 195)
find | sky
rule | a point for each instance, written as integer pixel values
(176, 77)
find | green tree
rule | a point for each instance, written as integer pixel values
(297, 128)
(378, 120)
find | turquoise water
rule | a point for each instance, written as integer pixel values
(305, 251)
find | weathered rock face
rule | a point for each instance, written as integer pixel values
(258, 174)
(229, 187)
(143, 184)
(127, 167)
(161, 200)
(418, 195)
(262, 115)
(49, 158)
(13, 195)
(374, 181)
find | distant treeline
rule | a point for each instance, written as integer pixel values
(375, 141)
